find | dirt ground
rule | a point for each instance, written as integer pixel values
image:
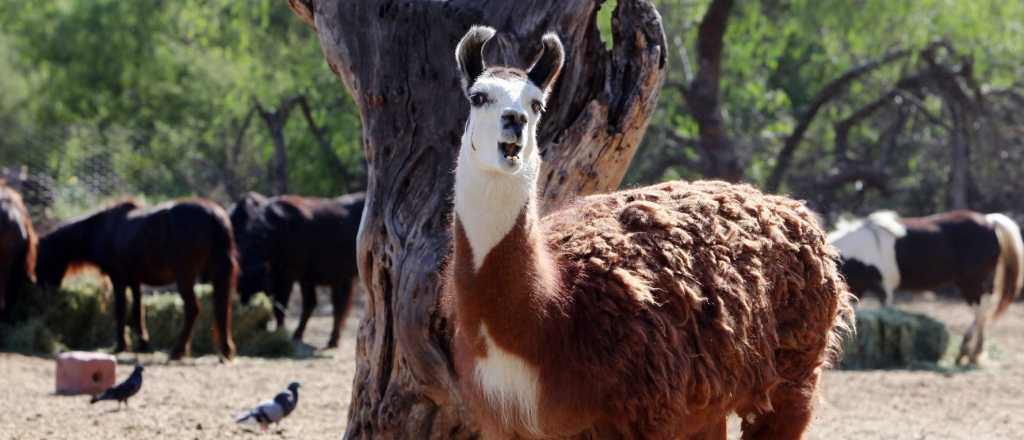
(197, 399)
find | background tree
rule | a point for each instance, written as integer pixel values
(402, 75)
(110, 97)
(840, 104)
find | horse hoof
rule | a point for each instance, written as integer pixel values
(177, 355)
(119, 349)
(142, 347)
(332, 344)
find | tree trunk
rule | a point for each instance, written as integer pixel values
(397, 61)
(719, 155)
(959, 165)
(275, 120)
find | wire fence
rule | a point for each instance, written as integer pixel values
(59, 178)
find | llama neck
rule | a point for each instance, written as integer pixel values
(488, 204)
(501, 259)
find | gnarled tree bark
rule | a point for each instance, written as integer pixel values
(396, 59)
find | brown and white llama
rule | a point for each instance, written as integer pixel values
(649, 313)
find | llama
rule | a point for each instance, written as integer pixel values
(650, 313)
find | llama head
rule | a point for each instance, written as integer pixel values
(506, 103)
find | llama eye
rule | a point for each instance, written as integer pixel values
(537, 106)
(478, 99)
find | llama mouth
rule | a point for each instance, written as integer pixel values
(510, 150)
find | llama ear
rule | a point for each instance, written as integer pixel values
(469, 54)
(545, 70)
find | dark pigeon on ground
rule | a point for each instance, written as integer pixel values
(124, 390)
(273, 411)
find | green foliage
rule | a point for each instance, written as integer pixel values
(778, 55)
(151, 96)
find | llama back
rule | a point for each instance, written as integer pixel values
(730, 276)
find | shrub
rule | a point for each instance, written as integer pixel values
(80, 317)
(890, 338)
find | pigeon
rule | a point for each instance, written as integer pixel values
(124, 390)
(273, 411)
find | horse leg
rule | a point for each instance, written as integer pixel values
(308, 305)
(184, 345)
(341, 297)
(282, 292)
(973, 344)
(222, 317)
(5, 279)
(119, 311)
(792, 403)
(139, 319)
(974, 340)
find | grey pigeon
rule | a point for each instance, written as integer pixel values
(273, 411)
(124, 390)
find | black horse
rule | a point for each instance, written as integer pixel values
(17, 247)
(290, 239)
(174, 242)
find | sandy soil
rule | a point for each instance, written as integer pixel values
(196, 399)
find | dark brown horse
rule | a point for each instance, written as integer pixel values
(174, 242)
(884, 253)
(17, 247)
(291, 239)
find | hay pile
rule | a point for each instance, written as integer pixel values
(80, 318)
(888, 338)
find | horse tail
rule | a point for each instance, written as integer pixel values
(30, 250)
(225, 252)
(223, 273)
(1010, 268)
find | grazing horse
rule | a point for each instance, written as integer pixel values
(290, 239)
(884, 252)
(17, 246)
(174, 242)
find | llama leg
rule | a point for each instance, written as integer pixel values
(792, 404)
(119, 311)
(184, 345)
(341, 297)
(308, 305)
(139, 319)
(222, 317)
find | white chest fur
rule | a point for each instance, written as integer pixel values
(510, 385)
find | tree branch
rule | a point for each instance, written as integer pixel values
(325, 145)
(702, 95)
(826, 94)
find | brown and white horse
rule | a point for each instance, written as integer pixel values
(884, 253)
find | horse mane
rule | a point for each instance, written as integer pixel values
(886, 220)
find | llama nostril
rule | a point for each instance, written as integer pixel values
(513, 120)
